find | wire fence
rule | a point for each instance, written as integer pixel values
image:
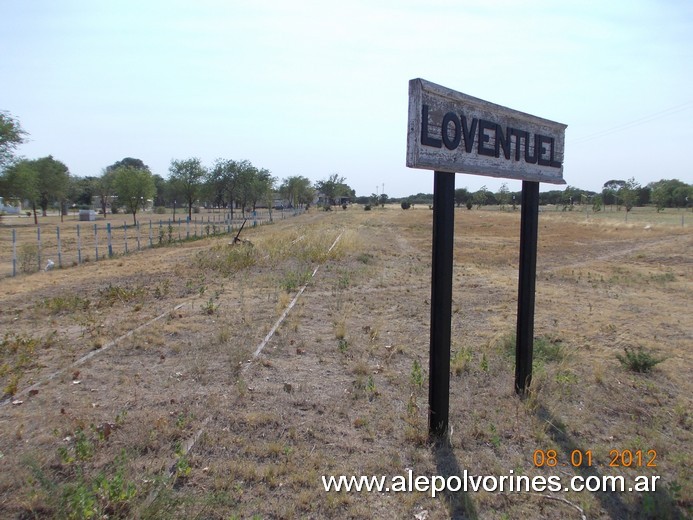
(28, 249)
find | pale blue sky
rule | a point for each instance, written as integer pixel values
(318, 87)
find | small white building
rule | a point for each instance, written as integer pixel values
(10, 210)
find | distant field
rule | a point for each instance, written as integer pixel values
(155, 385)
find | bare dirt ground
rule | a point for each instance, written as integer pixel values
(187, 408)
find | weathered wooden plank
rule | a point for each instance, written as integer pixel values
(451, 131)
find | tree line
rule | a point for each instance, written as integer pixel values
(626, 194)
(130, 185)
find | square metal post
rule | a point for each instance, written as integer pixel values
(441, 301)
(529, 226)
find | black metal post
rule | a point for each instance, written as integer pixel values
(529, 226)
(441, 301)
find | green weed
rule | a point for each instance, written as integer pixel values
(28, 258)
(417, 377)
(113, 294)
(60, 304)
(460, 361)
(638, 359)
(484, 363)
(293, 280)
(227, 259)
(210, 307)
(365, 258)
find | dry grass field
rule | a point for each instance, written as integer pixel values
(149, 385)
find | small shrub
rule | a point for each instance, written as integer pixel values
(365, 258)
(344, 281)
(227, 259)
(12, 385)
(160, 210)
(28, 258)
(417, 377)
(548, 349)
(460, 361)
(293, 280)
(210, 307)
(69, 303)
(112, 294)
(638, 360)
(367, 207)
(406, 205)
(484, 363)
(371, 390)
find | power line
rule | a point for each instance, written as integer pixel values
(636, 122)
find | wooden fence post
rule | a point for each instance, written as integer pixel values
(14, 252)
(60, 253)
(38, 238)
(110, 236)
(79, 247)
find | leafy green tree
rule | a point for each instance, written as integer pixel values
(333, 187)
(81, 190)
(11, 136)
(670, 193)
(133, 187)
(262, 187)
(21, 182)
(461, 196)
(682, 195)
(223, 183)
(481, 197)
(610, 192)
(188, 176)
(597, 203)
(130, 162)
(550, 197)
(503, 195)
(41, 181)
(163, 189)
(629, 193)
(104, 188)
(296, 190)
(53, 181)
(246, 190)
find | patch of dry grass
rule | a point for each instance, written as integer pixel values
(341, 386)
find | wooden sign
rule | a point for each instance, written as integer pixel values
(452, 132)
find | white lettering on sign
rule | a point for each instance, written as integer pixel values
(451, 131)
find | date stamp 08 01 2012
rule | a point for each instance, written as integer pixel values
(584, 458)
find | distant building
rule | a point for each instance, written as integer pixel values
(10, 209)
